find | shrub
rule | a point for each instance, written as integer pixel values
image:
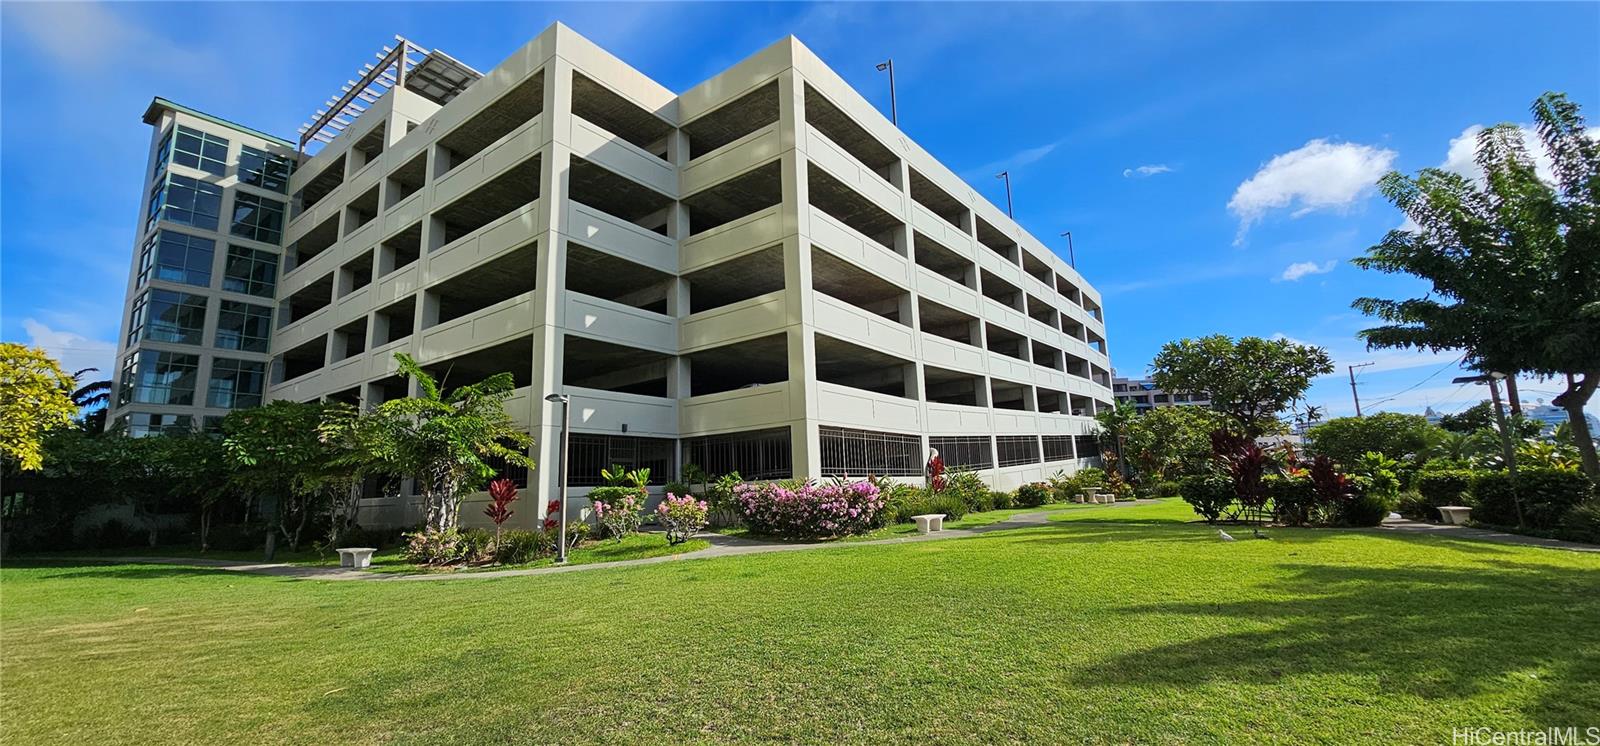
(966, 486)
(1166, 489)
(1413, 505)
(900, 502)
(377, 538)
(683, 516)
(1441, 487)
(978, 501)
(1546, 494)
(808, 509)
(519, 546)
(1209, 494)
(1033, 495)
(1293, 498)
(447, 547)
(952, 507)
(1582, 523)
(1366, 509)
(618, 509)
(1008, 500)
(242, 537)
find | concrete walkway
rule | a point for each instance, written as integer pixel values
(1478, 534)
(721, 546)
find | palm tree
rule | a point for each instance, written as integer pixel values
(93, 400)
(442, 440)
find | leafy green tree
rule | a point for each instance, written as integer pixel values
(1401, 437)
(279, 457)
(34, 399)
(1165, 443)
(1471, 419)
(1514, 264)
(442, 440)
(1250, 381)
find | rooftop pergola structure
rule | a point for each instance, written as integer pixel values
(431, 74)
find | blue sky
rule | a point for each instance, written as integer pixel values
(1213, 161)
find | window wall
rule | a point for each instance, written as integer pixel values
(159, 377)
(244, 326)
(185, 201)
(141, 424)
(236, 384)
(250, 271)
(259, 168)
(177, 257)
(168, 316)
(257, 218)
(201, 150)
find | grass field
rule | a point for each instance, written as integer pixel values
(1115, 625)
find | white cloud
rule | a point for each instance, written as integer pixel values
(74, 351)
(1146, 171)
(1301, 269)
(1320, 175)
(1463, 151)
(89, 37)
(1015, 160)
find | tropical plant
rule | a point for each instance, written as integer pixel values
(1513, 262)
(93, 400)
(617, 509)
(35, 398)
(682, 516)
(1250, 380)
(1245, 465)
(502, 493)
(1166, 443)
(443, 440)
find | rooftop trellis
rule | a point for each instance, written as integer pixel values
(431, 74)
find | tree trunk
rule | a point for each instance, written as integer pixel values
(205, 528)
(1578, 394)
(272, 543)
(1511, 396)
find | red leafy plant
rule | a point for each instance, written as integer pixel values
(502, 492)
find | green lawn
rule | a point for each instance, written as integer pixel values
(1092, 629)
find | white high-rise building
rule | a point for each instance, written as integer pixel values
(759, 274)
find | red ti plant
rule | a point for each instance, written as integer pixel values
(1329, 484)
(502, 492)
(1245, 463)
(936, 472)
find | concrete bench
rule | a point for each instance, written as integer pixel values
(1454, 515)
(357, 557)
(929, 523)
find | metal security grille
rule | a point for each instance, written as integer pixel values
(757, 454)
(1058, 448)
(589, 454)
(1017, 449)
(859, 453)
(964, 451)
(1088, 446)
(503, 469)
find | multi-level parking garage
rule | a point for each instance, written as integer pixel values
(761, 274)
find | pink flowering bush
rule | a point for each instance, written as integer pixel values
(683, 516)
(807, 509)
(618, 509)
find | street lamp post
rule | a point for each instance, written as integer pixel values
(561, 466)
(1006, 176)
(894, 113)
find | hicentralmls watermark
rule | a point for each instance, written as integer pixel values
(1569, 736)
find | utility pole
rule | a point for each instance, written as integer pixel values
(1072, 257)
(1006, 175)
(1353, 393)
(894, 114)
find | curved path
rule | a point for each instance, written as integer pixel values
(721, 546)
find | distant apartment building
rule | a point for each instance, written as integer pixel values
(1143, 394)
(761, 274)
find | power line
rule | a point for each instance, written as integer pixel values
(1414, 386)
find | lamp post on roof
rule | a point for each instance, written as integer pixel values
(1006, 177)
(894, 114)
